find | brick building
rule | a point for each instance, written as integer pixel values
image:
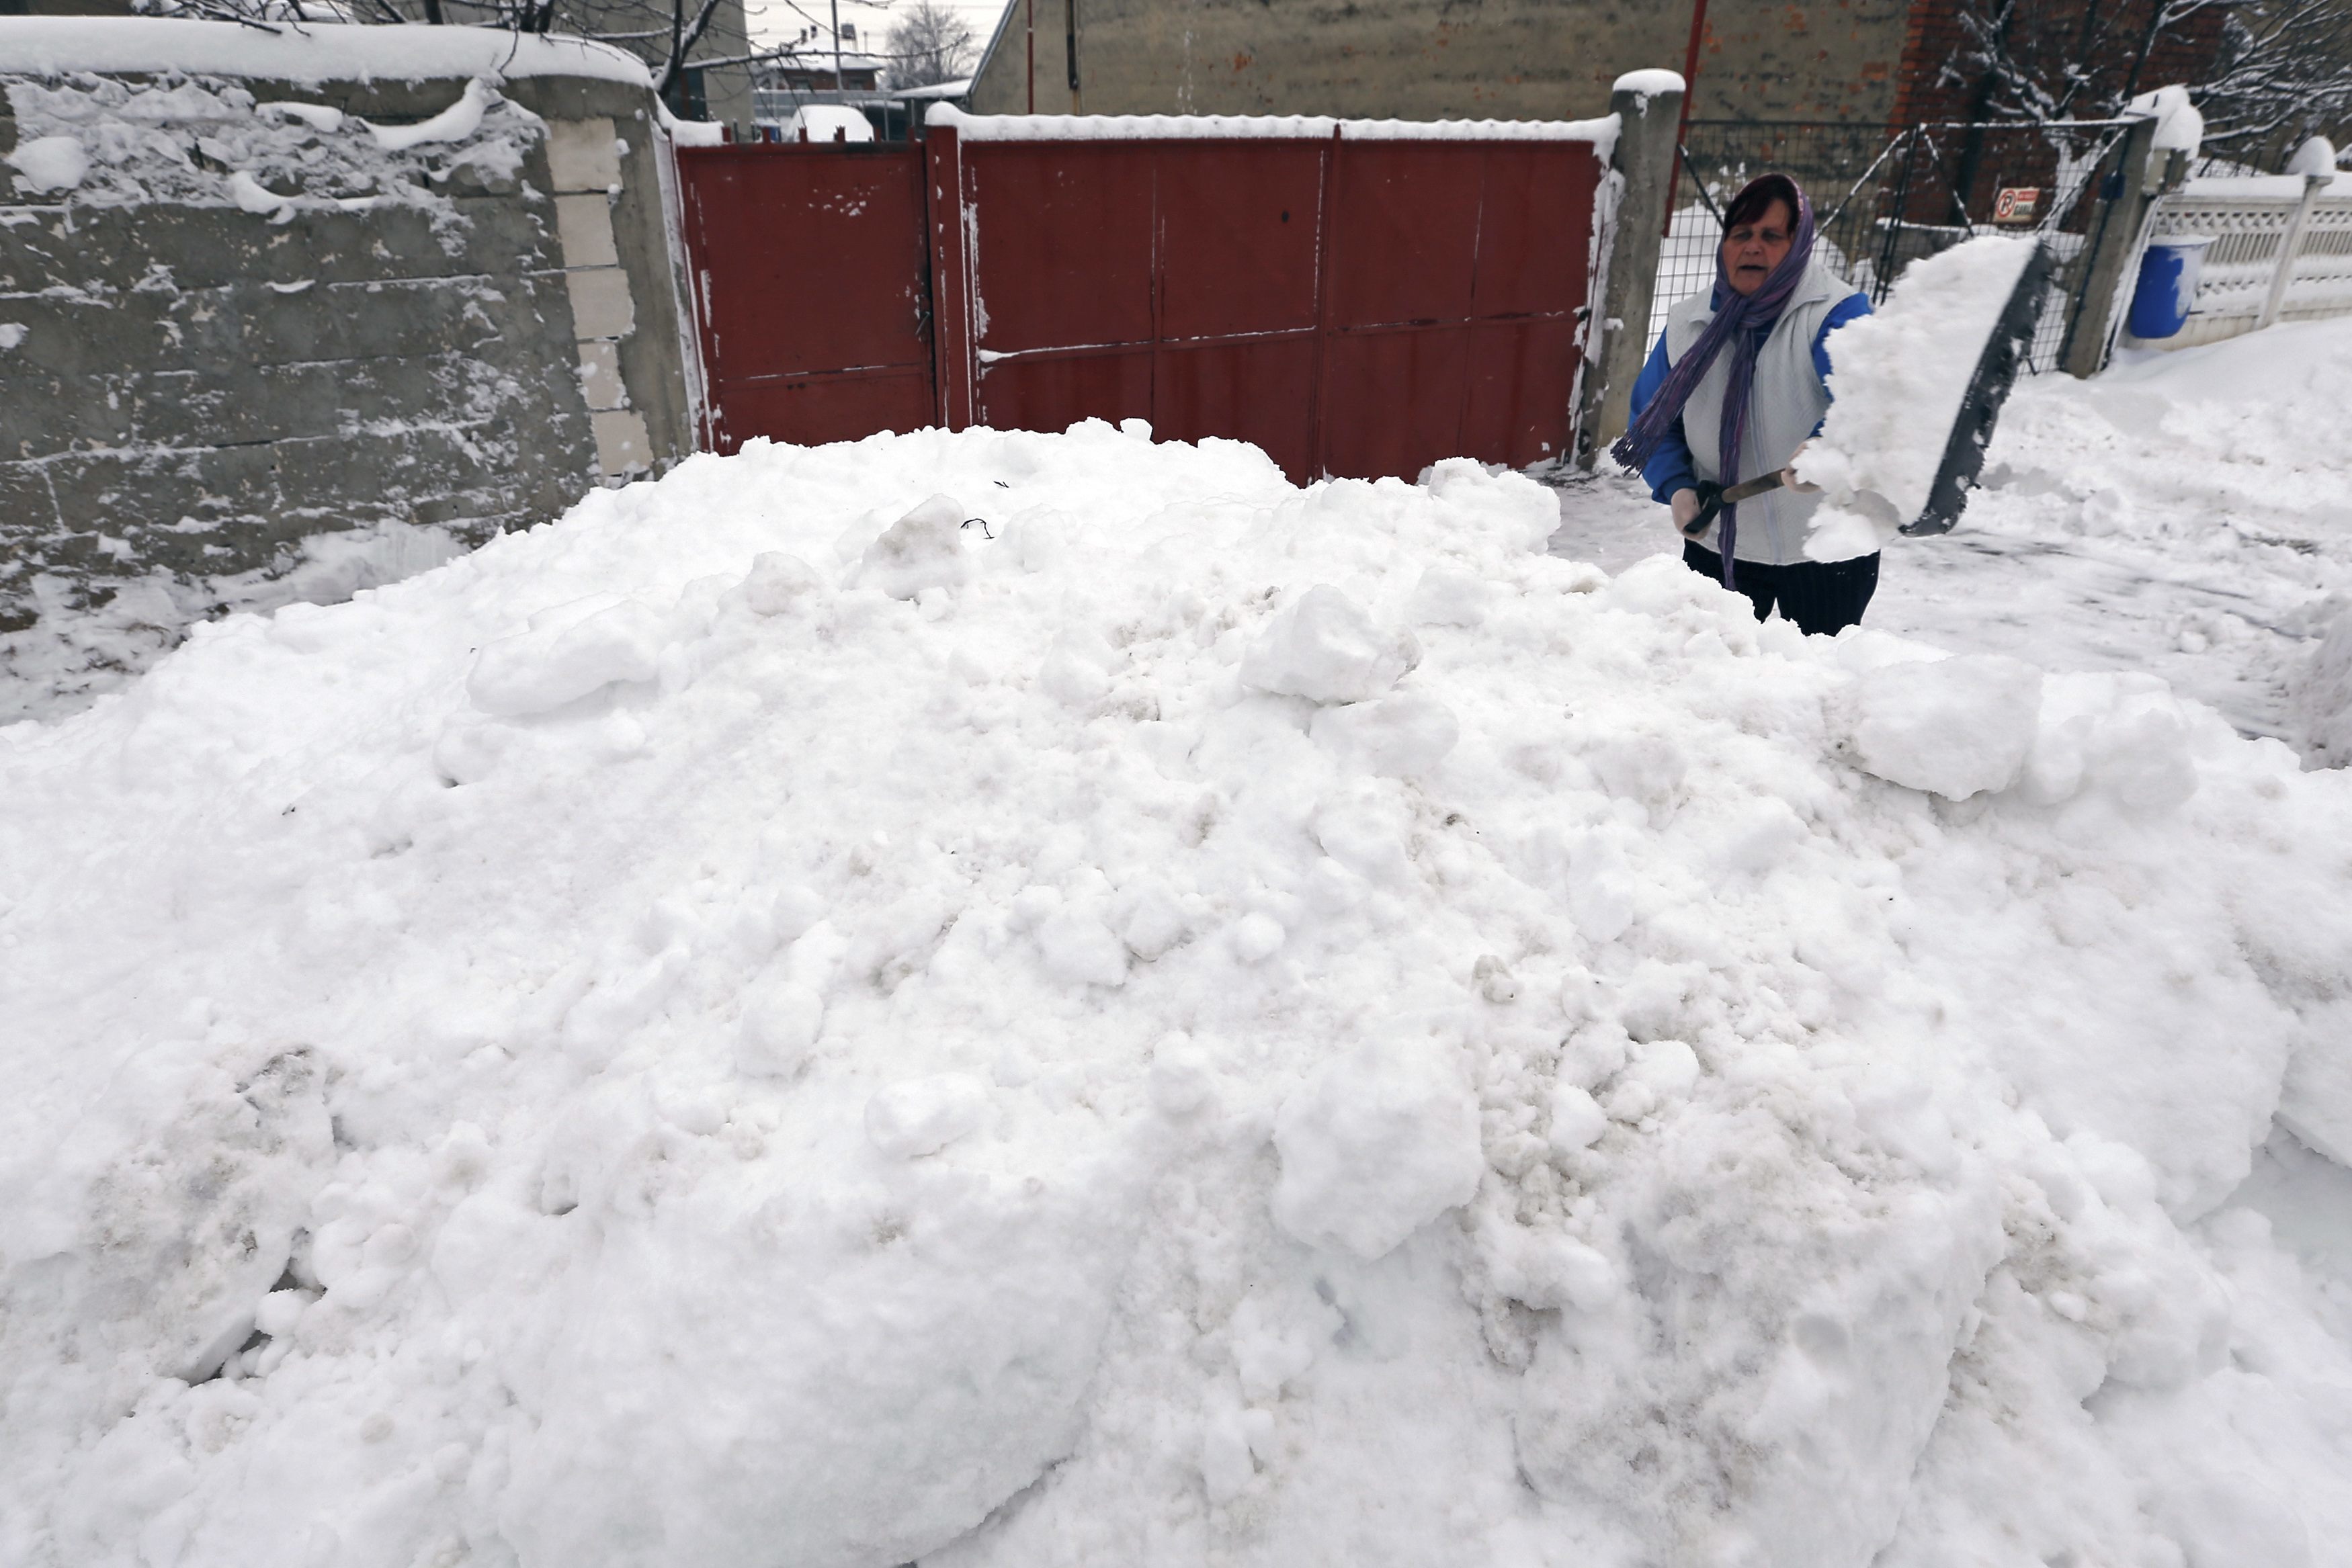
(1859, 61)
(1956, 71)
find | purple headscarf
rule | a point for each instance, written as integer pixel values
(1743, 320)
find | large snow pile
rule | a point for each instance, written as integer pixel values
(1016, 1000)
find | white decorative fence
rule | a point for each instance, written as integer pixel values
(2281, 251)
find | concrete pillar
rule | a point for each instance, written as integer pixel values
(2291, 247)
(585, 166)
(1649, 107)
(2116, 240)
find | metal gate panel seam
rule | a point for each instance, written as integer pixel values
(1318, 454)
(951, 334)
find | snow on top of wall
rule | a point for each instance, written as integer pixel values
(310, 52)
(1650, 83)
(2262, 187)
(104, 141)
(1602, 131)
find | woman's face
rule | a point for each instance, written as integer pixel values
(1750, 251)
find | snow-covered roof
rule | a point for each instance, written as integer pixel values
(956, 89)
(815, 58)
(310, 52)
(822, 121)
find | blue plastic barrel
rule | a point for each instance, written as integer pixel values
(2167, 285)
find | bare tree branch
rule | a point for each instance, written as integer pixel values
(2282, 69)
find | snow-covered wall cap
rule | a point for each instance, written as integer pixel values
(1221, 127)
(1650, 83)
(2179, 126)
(2317, 156)
(307, 52)
(2261, 187)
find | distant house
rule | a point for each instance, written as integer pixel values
(810, 69)
(804, 75)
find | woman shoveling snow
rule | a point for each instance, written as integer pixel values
(1743, 368)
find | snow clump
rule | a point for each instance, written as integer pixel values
(697, 1036)
(1956, 726)
(1897, 380)
(1325, 649)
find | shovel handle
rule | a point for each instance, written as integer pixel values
(1714, 497)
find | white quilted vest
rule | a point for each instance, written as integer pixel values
(1787, 401)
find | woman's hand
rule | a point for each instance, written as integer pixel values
(1789, 475)
(1684, 505)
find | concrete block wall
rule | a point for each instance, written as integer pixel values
(195, 394)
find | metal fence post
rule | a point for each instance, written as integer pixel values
(2290, 247)
(1616, 343)
(2117, 241)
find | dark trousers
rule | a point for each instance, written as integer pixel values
(1823, 597)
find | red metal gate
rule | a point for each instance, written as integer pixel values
(1356, 305)
(812, 290)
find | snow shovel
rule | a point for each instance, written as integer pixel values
(1972, 424)
(1996, 373)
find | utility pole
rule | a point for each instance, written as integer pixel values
(1681, 127)
(838, 85)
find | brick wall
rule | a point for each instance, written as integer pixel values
(2046, 39)
(1500, 58)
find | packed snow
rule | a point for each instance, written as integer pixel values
(1024, 999)
(77, 651)
(1648, 84)
(2180, 128)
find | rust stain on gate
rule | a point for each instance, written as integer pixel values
(1353, 307)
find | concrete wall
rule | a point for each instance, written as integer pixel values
(193, 394)
(1500, 58)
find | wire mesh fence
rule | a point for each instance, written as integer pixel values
(1882, 201)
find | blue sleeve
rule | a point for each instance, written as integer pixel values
(1669, 468)
(1849, 308)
